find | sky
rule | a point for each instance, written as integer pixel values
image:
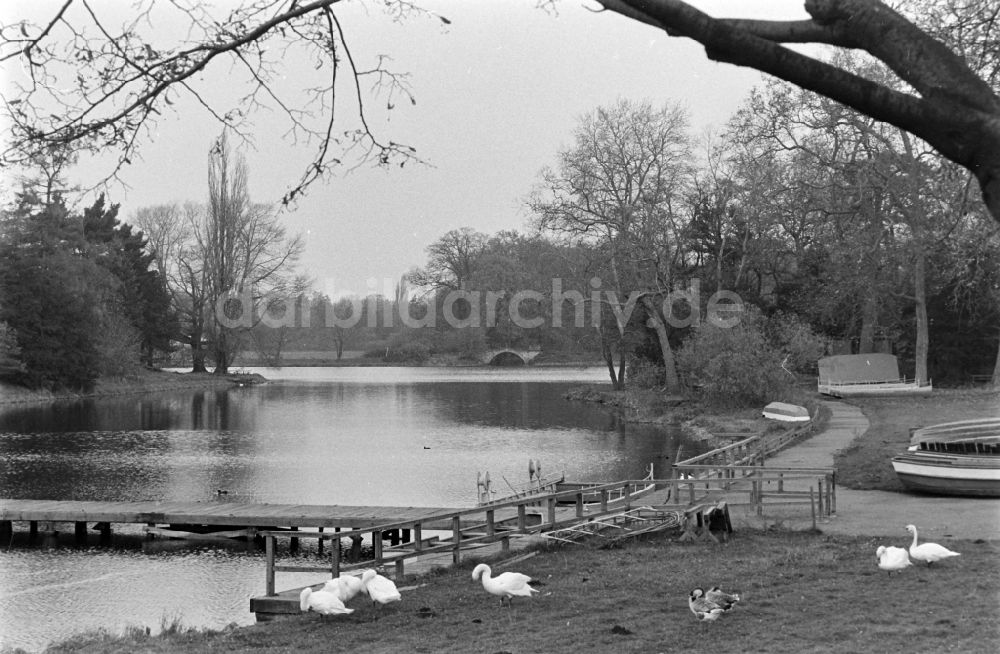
(498, 94)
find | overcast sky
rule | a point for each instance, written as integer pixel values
(498, 93)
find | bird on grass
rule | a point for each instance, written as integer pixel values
(505, 585)
(346, 587)
(703, 608)
(380, 589)
(323, 602)
(725, 600)
(892, 559)
(929, 552)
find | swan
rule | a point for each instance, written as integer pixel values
(703, 608)
(929, 552)
(345, 587)
(322, 601)
(725, 600)
(379, 588)
(506, 585)
(892, 559)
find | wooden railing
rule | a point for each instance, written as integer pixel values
(496, 522)
(748, 451)
(762, 485)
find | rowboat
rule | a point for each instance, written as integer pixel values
(786, 412)
(955, 458)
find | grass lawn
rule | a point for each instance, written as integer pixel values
(802, 592)
(866, 464)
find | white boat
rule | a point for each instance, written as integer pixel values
(955, 458)
(786, 412)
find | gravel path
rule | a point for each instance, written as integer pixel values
(878, 513)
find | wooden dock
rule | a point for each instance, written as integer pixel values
(205, 516)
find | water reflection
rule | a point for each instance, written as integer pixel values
(413, 437)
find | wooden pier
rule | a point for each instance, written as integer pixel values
(199, 517)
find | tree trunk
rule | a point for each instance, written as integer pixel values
(197, 353)
(659, 325)
(617, 378)
(996, 366)
(869, 317)
(221, 352)
(920, 308)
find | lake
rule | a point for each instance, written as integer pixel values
(354, 436)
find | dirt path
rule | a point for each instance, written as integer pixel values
(879, 513)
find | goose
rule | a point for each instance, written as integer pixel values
(725, 600)
(380, 589)
(892, 559)
(345, 587)
(506, 585)
(322, 601)
(929, 552)
(703, 608)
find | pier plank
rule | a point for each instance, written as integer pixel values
(236, 514)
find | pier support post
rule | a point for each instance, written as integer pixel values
(293, 545)
(319, 545)
(32, 530)
(335, 558)
(6, 530)
(80, 532)
(49, 533)
(456, 539)
(377, 546)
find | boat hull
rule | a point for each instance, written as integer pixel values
(786, 412)
(943, 474)
(874, 389)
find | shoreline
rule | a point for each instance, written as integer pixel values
(149, 381)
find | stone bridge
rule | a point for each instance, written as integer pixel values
(489, 357)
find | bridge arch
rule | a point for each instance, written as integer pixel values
(496, 356)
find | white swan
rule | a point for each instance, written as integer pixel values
(929, 552)
(725, 600)
(892, 559)
(703, 609)
(345, 587)
(379, 588)
(506, 585)
(322, 601)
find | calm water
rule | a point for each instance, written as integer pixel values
(393, 436)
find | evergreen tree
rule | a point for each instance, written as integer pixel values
(49, 293)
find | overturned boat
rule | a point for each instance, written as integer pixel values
(866, 375)
(954, 458)
(786, 412)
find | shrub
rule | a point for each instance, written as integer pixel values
(734, 366)
(643, 373)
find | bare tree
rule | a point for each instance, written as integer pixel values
(100, 86)
(616, 187)
(451, 260)
(950, 107)
(89, 80)
(246, 256)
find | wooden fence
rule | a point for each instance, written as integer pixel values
(464, 529)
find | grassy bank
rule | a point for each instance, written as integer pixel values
(802, 593)
(144, 381)
(866, 464)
